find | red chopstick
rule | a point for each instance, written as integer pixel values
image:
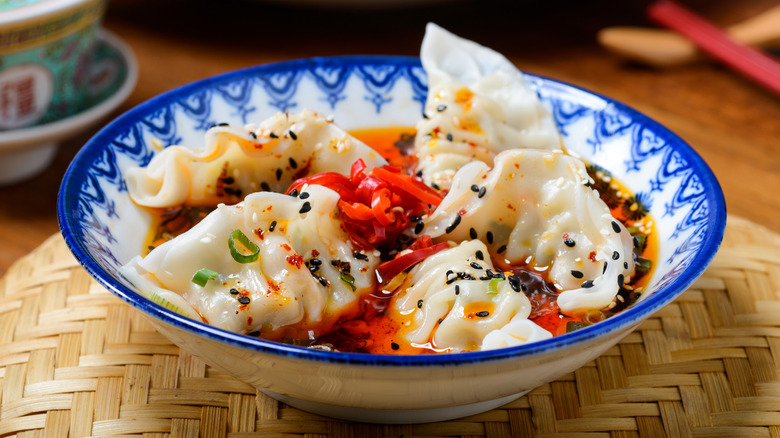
(746, 60)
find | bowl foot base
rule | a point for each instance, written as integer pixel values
(394, 416)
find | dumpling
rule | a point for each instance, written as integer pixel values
(536, 207)
(306, 274)
(455, 302)
(478, 105)
(237, 162)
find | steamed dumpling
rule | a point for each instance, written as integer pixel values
(478, 105)
(297, 280)
(535, 206)
(235, 162)
(450, 303)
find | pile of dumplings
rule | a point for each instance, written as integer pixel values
(485, 140)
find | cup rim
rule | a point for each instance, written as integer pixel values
(38, 10)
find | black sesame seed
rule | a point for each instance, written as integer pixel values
(305, 208)
(272, 226)
(453, 225)
(229, 191)
(604, 269)
(620, 280)
(435, 186)
(514, 283)
(449, 137)
(252, 134)
(615, 255)
(587, 284)
(314, 269)
(419, 304)
(457, 290)
(441, 108)
(577, 274)
(272, 135)
(501, 249)
(304, 195)
(293, 163)
(475, 265)
(625, 265)
(323, 281)
(615, 226)
(485, 277)
(482, 192)
(419, 227)
(451, 280)
(490, 273)
(636, 242)
(472, 233)
(315, 262)
(359, 256)
(294, 193)
(229, 180)
(278, 174)
(439, 321)
(483, 313)
(234, 291)
(292, 135)
(418, 173)
(425, 116)
(264, 185)
(524, 287)
(569, 242)
(489, 237)
(448, 273)
(480, 255)
(254, 333)
(394, 346)
(474, 188)
(244, 299)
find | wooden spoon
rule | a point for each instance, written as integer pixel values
(661, 48)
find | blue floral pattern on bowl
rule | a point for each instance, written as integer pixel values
(104, 229)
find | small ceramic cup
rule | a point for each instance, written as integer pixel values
(45, 54)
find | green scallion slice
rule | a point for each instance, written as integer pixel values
(572, 326)
(493, 286)
(348, 279)
(643, 264)
(248, 247)
(203, 276)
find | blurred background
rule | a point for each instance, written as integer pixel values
(730, 121)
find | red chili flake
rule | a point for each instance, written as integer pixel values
(295, 260)
(286, 247)
(436, 130)
(315, 253)
(511, 207)
(565, 235)
(260, 233)
(517, 165)
(269, 208)
(462, 211)
(303, 171)
(592, 256)
(272, 285)
(249, 321)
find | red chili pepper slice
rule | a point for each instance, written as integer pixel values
(390, 269)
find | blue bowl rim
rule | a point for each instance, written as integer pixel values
(89, 152)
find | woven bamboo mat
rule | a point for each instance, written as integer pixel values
(76, 361)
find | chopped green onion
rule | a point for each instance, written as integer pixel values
(203, 276)
(493, 286)
(238, 235)
(643, 264)
(572, 326)
(348, 279)
(633, 230)
(165, 303)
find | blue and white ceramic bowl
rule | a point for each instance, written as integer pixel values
(104, 229)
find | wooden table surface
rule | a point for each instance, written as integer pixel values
(732, 123)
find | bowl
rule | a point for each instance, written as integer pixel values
(113, 71)
(45, 55)
(102, 227)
